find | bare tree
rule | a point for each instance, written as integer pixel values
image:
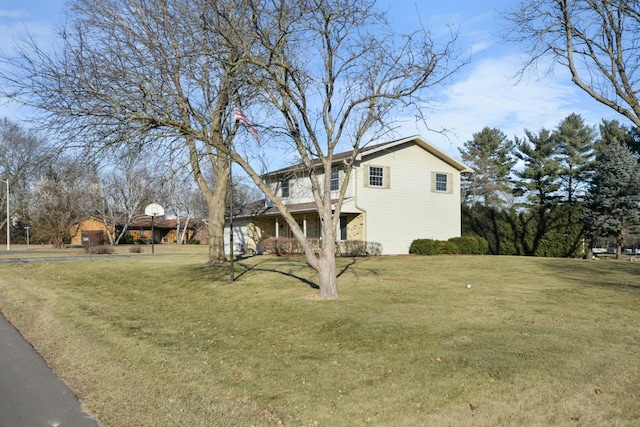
(23, 157)
(126, 189)
(140, 72)
(335, 72)
(181, 198)
(60, 199)
(596, 40)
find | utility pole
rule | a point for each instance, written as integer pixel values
(8, 222)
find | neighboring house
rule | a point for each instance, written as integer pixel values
(90, 228)
(398, 191)
(164, 231)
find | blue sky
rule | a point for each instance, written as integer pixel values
(483, 93)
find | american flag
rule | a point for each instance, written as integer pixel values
(240, 117)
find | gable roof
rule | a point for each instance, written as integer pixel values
(377, 148)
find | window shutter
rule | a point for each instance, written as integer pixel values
(449, 183)
(386, 177)
(365, 173)
(433, 182)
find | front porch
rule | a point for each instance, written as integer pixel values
(251, 231)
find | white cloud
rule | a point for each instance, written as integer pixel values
(487, 95)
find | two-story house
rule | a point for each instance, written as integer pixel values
(397, 192)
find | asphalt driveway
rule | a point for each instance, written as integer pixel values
(31, 394)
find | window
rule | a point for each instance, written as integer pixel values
(376, 176)
(335, 179)
(284, 186)
(441, 182)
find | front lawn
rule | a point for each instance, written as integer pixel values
(162, 341)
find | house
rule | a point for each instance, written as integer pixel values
(397, 192)
(93, 230)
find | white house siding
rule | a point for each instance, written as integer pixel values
(300, 189)
(408, 209)
(243, 239)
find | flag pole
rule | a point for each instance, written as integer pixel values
(239, 117)
(231, 256)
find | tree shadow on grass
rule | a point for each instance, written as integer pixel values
(267, 265)
(599, 274)
(250, 268)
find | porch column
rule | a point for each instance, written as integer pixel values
(277, 228)
(304, 225)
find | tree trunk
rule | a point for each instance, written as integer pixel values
(326, 260)
(328, 281)
(216, 201)
(619, 241)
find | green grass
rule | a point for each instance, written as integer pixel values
(150, 341)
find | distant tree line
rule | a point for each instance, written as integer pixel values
(50, 191)
(555, 192)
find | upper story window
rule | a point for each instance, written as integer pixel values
(376, 176)
(284, 187)
(335, 179)
(441, 182)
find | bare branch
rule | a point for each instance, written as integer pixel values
(598, 41)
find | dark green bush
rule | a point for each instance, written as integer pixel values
(448, 248)
(468, 245)
(471, 245)
(425, 247)
(193, 242)
(483, 245)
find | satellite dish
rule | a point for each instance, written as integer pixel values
(154, 209)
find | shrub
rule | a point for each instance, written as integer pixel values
(448, 248)
(281, 246)
(374, 248)
(291, 246)
(471, 245)
(193, 242)
(483, 245)
(99, 250)
(357, 248)
(136, 249)
(425, 247)
(468, 245)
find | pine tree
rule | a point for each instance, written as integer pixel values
(612, 206)
(540, 177)
(576, 152)
(613, 131)
(490, 155)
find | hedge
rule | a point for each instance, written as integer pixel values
(291, 246)
(467, 245)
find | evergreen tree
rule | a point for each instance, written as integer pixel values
(634, 143)
(613, 203)
(539, 179)
(539, 182)
(490, 155)
(576, 151)
(613, 131)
